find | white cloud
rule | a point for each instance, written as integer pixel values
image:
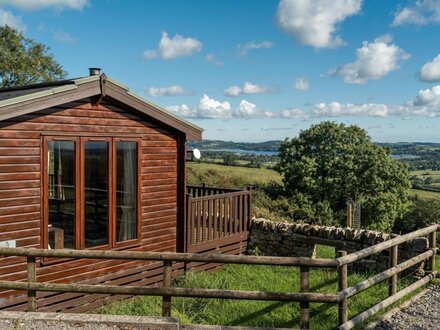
(294, 113)
(207, 108)
(429, 97)
(173, 90)
(178, 46)
(430, 71)
(7, 18)
(249, 110)
(243, 50)
(420, 12)
(63, 36)
(374, 60)
(247, 89)
(42, 4)
(301, 84)
(425, 104)
(212, 59)
(315, 22)
(336, 109)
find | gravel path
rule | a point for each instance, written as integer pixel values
(57, 325)
(54, 321)
(423, 313)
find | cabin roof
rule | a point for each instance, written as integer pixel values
(17, 101)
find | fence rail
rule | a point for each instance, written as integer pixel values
(304, 297)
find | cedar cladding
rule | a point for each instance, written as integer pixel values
(21, 196)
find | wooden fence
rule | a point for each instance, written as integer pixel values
(304, 297)
(216, 216)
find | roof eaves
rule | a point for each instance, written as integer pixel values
(83, 80)
(166, 112)
(36, 95)
(117, 83)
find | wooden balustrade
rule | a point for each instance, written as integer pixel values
(216, 214)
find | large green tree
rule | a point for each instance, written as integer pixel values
(24, 61)
(329, 164)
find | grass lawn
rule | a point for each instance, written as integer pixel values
(246, 174)
(424, 194)
(254, 313)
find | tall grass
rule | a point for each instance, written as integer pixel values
(256, 313)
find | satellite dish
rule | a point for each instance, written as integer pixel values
(197, 154)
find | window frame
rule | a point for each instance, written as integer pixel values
(79, 143)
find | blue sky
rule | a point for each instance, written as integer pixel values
(254, 70)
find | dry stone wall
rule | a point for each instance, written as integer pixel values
(299, 240)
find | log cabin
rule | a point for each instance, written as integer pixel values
(87, 164)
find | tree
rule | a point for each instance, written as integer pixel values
(329, 164)
(230, 159)
(24, 61)
(421, 214)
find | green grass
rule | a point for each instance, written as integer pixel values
(254, 313)
(426, 173)
(424, 194)
(228, 173)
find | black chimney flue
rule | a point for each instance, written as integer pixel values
(94, 71)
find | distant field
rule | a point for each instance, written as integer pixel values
(424, 194)
(250, 175)
(426, 173)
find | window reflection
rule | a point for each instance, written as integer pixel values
(96, 193)
(61, 194)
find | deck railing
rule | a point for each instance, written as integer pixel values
(304, 297)
(216, 214)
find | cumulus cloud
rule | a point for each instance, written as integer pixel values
(42, 4)
(430, 71)
(425, 104)
(247, 89)
(419, 12)
(173, 90)
(429, 97)
(212, 59)
(336, 109)
(243, 50)
(7, 18)
(178, 46)
(374, 60)
(249, 110)
(301, 84)
(294, 114)
(315, 22)
(206, 108)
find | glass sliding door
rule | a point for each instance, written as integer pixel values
(96, 193)
(61, 191)
(126, 191)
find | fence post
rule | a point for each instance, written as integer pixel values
(31, 278)
(304, 309)
(342, 285)
(432, 244)
(166, 283)
(203, 189)
(394, 252)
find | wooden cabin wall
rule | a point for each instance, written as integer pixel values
(21, 199)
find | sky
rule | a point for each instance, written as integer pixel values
(254, 70)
